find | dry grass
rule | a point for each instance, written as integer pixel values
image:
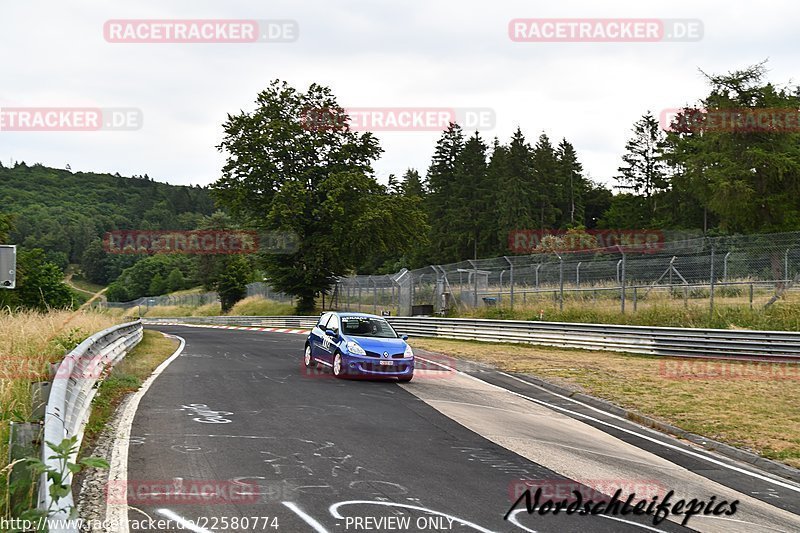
(756, 412)
(177, 310)
(259, 306)
(29, 342)
(126, 377)
(656, 310)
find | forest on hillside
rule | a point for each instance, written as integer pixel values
(464, 205)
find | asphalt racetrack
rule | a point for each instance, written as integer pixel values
(246, 439)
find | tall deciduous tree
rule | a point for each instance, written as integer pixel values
(294, 165)
(747, 176)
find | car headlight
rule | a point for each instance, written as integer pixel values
(409, 352)
(355, 349)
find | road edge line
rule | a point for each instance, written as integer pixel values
(117, 513)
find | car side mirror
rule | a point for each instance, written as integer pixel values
(330, 333)
(404, 337)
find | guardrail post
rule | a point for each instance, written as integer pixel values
(511, 278)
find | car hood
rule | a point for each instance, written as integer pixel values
(378, 345)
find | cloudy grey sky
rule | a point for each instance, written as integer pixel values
(415, 53)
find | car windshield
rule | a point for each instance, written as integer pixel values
(364, 326)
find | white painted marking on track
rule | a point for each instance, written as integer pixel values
(624, 430)
(645, 437)
(334, 510)
(185, 524)
(118, 467)
(319, 528)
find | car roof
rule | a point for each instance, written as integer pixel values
(348, 313)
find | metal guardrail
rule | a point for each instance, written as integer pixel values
(69, 405)
(299, 322)
(676, 342)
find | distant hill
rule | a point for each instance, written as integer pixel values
(62, 212)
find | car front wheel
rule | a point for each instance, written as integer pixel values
(338, 366)
(307, 358)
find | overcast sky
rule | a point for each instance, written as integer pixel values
(414, 53)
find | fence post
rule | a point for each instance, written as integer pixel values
(712, 282)
(374, 296)
(474, 282)
(537, 274)
(751, 295)
(725, 268)
(622, 281)
(511, 297)
(578, 274)
(634, 299)
(560, 283)
(786, 265)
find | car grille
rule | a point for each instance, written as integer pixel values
(380, 355)
(372, 367)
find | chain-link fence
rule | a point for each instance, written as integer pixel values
(265, 291)
(750, 271)
(196, 300)
(187, 300)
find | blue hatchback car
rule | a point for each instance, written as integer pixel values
(359, 345)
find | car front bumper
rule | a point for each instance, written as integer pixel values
(371, 366)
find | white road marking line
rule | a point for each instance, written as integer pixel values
(624, 430)
(648, 438)
(185, 524)
(209, 436)
(319, 528)
(118, 467)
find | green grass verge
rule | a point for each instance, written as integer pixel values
(126, 377)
